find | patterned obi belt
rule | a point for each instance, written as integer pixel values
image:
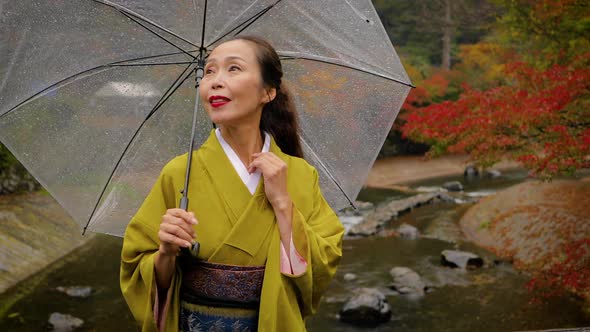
(220, 297)
(221, 285)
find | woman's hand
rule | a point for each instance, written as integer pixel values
(274, 172)
(176, 231)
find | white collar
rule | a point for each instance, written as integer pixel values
(250, 180)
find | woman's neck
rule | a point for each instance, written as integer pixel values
(245, 141)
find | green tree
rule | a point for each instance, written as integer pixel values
(6, 158)
(545, 32)
(428, 31)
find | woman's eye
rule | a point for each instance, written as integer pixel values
(208, 71)
(234, 67)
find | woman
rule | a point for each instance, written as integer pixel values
(269, 242)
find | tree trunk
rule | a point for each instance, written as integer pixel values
(446, 39)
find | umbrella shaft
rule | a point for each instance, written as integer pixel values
(183, 204)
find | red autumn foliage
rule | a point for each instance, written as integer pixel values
(571, 273)
(432, 89)
(541, 119)
(418, 97)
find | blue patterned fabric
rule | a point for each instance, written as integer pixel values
(197, 318)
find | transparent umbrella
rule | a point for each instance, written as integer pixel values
(96, 96)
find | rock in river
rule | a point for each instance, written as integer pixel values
(349, 277)
(76, 291)
(407, 281)
(462, 259)
(367, 307)
(408, 231)
(374, 221)
(64, 323)
(470, 171)
(492, 173)
(453, 186)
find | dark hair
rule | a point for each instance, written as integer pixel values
(279, 117)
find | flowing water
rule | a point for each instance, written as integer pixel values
(492, 298)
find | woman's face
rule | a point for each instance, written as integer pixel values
(232, 90)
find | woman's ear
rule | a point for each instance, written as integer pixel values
(270, 95)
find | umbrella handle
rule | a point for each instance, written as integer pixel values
(194, 250)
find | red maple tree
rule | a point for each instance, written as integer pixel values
(541, 119)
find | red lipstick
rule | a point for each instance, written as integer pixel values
(218, 101)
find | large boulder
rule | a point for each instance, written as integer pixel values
(367, 307)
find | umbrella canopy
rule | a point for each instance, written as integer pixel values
(96, 96)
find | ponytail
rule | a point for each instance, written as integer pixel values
(279, 119)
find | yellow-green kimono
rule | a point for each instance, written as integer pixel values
(236, 228)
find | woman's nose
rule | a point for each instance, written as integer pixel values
(217, 81)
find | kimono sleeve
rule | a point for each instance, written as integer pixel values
(140, 244)
(318, 239)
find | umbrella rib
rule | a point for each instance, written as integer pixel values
(335, 63)
(158, 35)
(145, 19)
(156, 107)
(204, 22)
(257, 17)
(248, 22)
(260, 13)
(165, 96)
(326, 169)
(87, 71)
(152, 64)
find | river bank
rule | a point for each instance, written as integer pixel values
(395, 172)
(35, 231)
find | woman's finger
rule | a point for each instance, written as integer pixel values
(263, 163)
(189, 217)
(263, 166)
(270, 158)
(171, 239)
(176, 231)
(273, 157)
(168, 219)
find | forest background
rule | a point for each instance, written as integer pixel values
(499, 79)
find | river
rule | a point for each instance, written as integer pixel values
(492, 298)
